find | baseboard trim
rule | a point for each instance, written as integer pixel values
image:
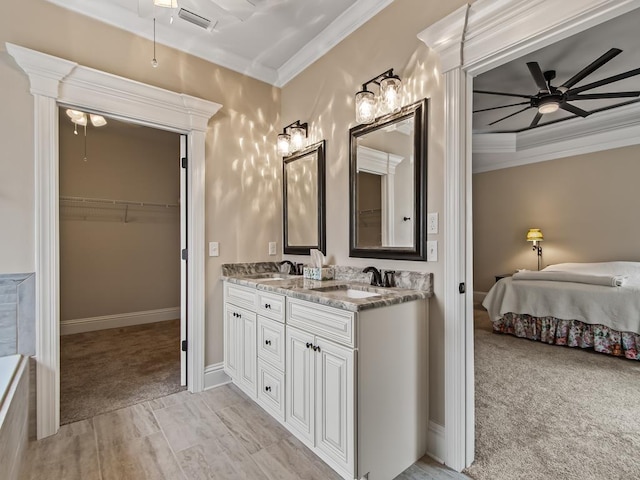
(81, 325)
(214, 376)
(478, 297)
(436, 442)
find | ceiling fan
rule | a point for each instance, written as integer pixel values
(549, 99)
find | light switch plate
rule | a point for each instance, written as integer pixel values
(214, 249)
(272, 248)
(432, 222)
(432, 251)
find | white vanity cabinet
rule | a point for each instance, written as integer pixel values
(254, 345)
(350, 385)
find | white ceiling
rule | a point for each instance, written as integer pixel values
(567, 57)
(271, 40)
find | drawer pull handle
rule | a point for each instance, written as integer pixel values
(267, 389)
(266, 305)
(267, 342)
(309, 345)
(316, 349)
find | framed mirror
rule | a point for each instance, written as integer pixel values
(303, 199)
(388, 178)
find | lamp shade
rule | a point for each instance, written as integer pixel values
(298, 136)
(284, 144)
(534, 235)
(365, 107)
(390, 92)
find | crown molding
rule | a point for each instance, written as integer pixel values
(352, 18)
(614, 128)
(199, 43)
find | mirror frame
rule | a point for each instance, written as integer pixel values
(419, 112)
(319, 148)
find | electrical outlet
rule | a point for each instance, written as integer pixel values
(432, 251)
(272, 248)
(432, 222)
(214, 249)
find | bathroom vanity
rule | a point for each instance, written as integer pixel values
(340, 364)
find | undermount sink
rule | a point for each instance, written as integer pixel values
(270, 277)
(348, 291)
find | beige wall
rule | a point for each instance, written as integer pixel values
(108, 266)
(586, 206)
(243, 197)
(323, 96)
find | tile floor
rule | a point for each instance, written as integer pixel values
(217, 434)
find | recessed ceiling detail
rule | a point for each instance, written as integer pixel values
(581, 76)
(270, 40)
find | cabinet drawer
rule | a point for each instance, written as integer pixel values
(270, 305)
(330, 323)
(271, 389)
(271, 342)
(240, 296)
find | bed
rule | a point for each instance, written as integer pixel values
(585, 305)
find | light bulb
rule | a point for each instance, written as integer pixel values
(365, 107)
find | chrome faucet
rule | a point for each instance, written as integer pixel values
(376, 277)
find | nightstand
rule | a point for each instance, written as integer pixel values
(503, 275)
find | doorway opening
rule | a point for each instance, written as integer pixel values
(122, 278)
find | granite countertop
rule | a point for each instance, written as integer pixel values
(306, 289)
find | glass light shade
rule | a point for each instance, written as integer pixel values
(166, 3)
(74, 114)
(390, 92)
(97, 120)
(298, 137)
(534, 235)
(80, 120)
(284, 144)
(365, 107)
(549, 107)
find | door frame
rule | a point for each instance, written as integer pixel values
(55, 81)
(472, 40)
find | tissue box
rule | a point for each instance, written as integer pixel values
(316, 273)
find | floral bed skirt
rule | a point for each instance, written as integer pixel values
(571, 333)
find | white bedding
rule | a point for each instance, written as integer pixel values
(617, 308)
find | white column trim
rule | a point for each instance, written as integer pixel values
(471, 40)
(56, 81)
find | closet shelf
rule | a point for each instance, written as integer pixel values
(110, 210)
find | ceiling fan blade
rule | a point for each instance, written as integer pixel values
(501, 106)
(575, 110)
(538, 76)
(599, 96)
(509, 116)
(536, 119)
(503, 94)
(589, 69)
(606, 81)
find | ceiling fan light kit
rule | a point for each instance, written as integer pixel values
(550, 99)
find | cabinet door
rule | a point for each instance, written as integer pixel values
(231, 347)
(299, 380)
(335, 373)
(248, 363)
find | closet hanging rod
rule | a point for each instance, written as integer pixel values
(116, 202)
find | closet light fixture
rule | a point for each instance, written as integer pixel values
(369, 105)
(535, 235)
(80, 118)
(293, 140)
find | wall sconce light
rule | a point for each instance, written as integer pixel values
(368, 105)
(535, 235)
(294, 140)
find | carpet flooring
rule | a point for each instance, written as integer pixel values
(552, 412)
(110, 369)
